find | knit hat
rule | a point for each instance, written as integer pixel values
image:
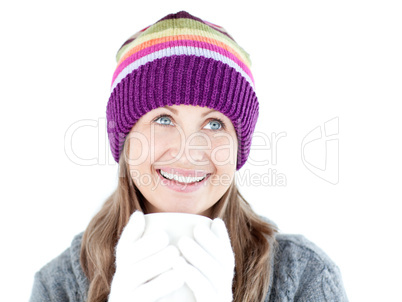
(182, 59)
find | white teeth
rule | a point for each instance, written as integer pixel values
(182, 179)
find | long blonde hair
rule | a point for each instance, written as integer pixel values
(252, 240)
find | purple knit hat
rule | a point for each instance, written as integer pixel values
(182, 59)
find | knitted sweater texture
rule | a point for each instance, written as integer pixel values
(300, 271)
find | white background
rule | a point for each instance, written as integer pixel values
(313, 61)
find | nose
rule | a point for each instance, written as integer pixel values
(191, 148)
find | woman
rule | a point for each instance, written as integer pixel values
(181, 116)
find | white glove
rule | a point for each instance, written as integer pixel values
(210, 272)
(140, 259)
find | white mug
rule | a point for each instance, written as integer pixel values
(176, 225)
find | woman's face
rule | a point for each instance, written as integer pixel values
(187, 143)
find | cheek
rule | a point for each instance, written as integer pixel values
(139, 149)
(146, 146)
(162, 140)
(224, 151)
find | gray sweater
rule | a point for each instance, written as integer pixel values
(300, 271)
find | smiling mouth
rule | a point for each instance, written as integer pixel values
(183, 180)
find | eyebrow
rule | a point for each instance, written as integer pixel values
(175, 111)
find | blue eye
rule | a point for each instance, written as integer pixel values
(216, 124)
(165, 121)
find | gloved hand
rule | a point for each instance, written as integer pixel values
(210, 272)
(140, 259)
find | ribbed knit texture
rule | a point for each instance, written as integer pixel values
(182, 59)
